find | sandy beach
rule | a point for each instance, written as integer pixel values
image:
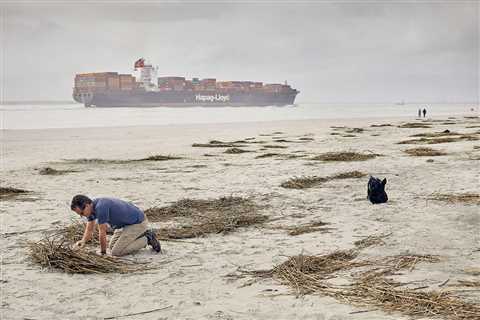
(193, 279)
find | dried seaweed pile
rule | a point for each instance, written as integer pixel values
(127, 161)
(311, 181)
(219, 144)
(203, 217)
(74, 232)
(424, 152)
(57, 254)
(48, 171)
(236, 151)
(468, 198)
(345, 156)
(444, 133)
(462, 137)
(381, 125)
(311, 274)
(317, 226)
(268, 155)
(414, 125)
(6, 192)
(391, 297)
(273, 146)
(372, 240)
(308, 274)
(159, 157)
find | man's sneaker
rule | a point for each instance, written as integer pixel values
(152, 240)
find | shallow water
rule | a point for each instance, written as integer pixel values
(72, 115)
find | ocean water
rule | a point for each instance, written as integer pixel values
(72, 115)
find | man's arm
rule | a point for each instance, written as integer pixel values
(87, 234)
(102, 237)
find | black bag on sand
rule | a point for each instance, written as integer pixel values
(376, 190)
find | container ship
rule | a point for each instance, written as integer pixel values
(144, 89)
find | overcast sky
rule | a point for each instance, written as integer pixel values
(359, 52)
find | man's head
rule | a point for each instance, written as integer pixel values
(82, 205)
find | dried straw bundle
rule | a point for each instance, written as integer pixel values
(372, 240)
(218, 144)
(308, 228)
(194, 207)
(424, 152)
(220, 215)
(308, 274)
(311, 181)
(469, 198)
(236, 151)
(57, 254)
(389, 297)
(345, 156)
(463, 137)
(74, 232)
(414, 125)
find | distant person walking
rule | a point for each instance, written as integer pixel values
(420, 112)
(424, 112)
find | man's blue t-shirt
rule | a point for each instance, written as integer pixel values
(117, 213)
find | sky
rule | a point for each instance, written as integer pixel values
(333, 52)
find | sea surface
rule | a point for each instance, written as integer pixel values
(73, 115)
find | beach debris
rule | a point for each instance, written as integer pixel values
(267, 155)
(437, 134)
(315, 226)
(354, 130)
(202, 217)
(376, 190)
(381, 125)
(74, 232)
(307, 273)
(236, 151)
(467, 198)
(159, 157)
(7, 192)
(311, 275)
(272, 146)
(424, 152)
(138, 313)
(390, 297)
(113, 161)
(461, 137)
(306, 139)
(345, 156)
(48, 171)
(371, 240)
(414, 125)
(311, 181)
(218, 144)
(59, 255)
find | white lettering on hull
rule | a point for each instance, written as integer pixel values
(215, 98)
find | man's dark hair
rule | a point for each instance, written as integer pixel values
(79, 201)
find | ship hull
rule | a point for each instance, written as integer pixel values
(141, 98)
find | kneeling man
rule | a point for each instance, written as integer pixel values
(130, 224)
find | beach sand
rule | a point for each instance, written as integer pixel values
(190, 279)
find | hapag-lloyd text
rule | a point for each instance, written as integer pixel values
(216, 98)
